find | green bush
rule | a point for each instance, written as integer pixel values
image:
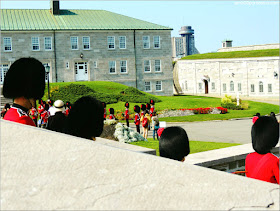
(133, 95)
(231, 103)
(71, 92)
(107, 98)
(132, 91)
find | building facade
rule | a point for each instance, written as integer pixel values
(90, 45)
(249, 77)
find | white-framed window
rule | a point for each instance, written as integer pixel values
(158, 85)
(200, 86)
(269, 87)
(7, 43)
(74, 43)
(239, 87)
(156, 41)
(123, 66)
(252, 88)
(148, 86)
(186, 85)
(48, 43)
(35, 43)
(67, 65)
(146, 42)
(231, 87)
(95, 64)
(122, 42)
(111, 42)
(224, 87)
(86, 43)
(213, 86)
(3, 71)
(261, 86)
(157, 66)
(147, 66)
(112, 66)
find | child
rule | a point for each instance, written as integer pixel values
(174, 143)
(126, 113)
(145, 119)
(112, 116)
(155, 124)
(262, 164)
(105, 111)
(137, 118)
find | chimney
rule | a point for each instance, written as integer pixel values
(54, 7)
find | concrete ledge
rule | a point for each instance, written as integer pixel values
(42, 170)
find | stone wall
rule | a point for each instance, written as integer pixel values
(44, 170)
(238, 75)
(250, 47)
(61, 55)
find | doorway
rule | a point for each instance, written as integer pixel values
(81, 71)
(206, 86)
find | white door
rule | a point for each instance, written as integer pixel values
(81, 71)
(3, 70)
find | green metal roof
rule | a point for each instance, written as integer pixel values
(36, 19)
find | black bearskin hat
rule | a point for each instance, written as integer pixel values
(25, 78)
(148, 106)
(152, 102)
(136, 108)
(104, 104)
(112, 111)
(143, 107)
(126, 105)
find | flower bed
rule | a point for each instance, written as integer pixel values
(208, 110)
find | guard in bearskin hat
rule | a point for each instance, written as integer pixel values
(105, 111)
(137, 118)
(126, 113)
(24, 83)
(112, 112)
(152, 102)
(67, 108)
(143, 109)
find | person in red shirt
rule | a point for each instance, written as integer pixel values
(112, 111)
(34, 115)
(152, 102)
(45, 116)
(126, 113)
(105, 110)
(262, 164)
(137, 118)
(24, 83)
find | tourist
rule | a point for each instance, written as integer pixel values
(126, 113)
(24, 83)
(155, 124)
(87, 125)
(6, 108)
(145, 119)
(262, 164)
(51, 108)
(174, 143)
(137, 118)
(57, 122)
(112, 114)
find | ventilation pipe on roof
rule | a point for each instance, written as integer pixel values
(54, 7)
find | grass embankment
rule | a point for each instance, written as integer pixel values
(195, 146)
(177, 102)
(234, 54)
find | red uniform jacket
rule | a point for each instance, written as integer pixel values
(19, 114)
(66, 112)
(126, 113)
(34, 113)
(45, 115)
(152, 109)
(105, 113)
(137, 119)
(111, 116)
(40, 109)
(262, 167)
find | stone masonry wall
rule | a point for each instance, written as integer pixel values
(250, 47)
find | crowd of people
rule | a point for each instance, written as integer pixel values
(71, 119)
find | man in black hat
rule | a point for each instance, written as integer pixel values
(24, 83)
(58, 120)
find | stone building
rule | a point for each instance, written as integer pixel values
(89, 45)
(253, 77)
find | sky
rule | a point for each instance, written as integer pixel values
(244, 22)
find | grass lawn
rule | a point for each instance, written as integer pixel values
(234, 54)
(195, 146)
(176, 102)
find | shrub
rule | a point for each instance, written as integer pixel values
(133, 95)
(70, 92)
(229, 103)
(107, 98)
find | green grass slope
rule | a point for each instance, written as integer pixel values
(234, 54)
